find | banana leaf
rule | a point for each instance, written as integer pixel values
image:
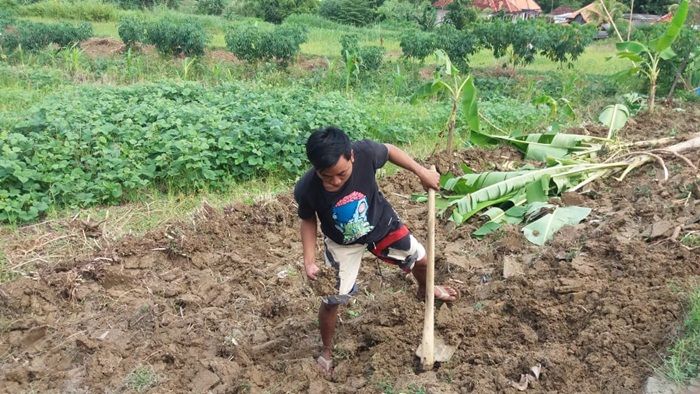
(470, 110)
(615, 117)
(542, 229)
(538, 146)
(498, 217)
(674, 29)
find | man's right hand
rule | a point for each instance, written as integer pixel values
(311, 270)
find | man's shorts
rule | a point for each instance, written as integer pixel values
(399, 248)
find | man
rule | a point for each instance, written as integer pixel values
(341, 191)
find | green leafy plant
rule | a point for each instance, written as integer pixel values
(461, 91)
(646, 58)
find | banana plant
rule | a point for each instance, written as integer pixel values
(646, 58)
(462, 94)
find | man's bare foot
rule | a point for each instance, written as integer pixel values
(442, 293)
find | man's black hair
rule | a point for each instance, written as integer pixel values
(325, 146)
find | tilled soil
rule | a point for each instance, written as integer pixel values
(220, 303)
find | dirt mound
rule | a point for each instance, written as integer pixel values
(219, 302)
(97, 47)
(225, 56)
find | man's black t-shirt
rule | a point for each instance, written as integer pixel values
(358, 213)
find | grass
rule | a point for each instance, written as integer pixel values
(141, 379)
(691, 240)
(6, 274)
(683, 361)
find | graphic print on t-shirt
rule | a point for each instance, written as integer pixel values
(350, 215)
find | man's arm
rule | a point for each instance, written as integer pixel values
(429, 179)
(308, 242)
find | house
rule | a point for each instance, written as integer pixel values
(587, 14)
(515, 8)
(644, 19)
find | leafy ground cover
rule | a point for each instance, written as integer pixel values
(174, 136)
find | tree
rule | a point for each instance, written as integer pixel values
(460, 13)
(275, 11)
(656, 7)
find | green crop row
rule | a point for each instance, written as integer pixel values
(104, 145)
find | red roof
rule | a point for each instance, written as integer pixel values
(498, 5)
(666, 18)
(442, 3)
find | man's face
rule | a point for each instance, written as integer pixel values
(334, 177)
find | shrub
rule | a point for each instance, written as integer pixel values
(173, 37)
(132, 30)
(34, 36)
(255, 43)
(372, 57)
(247, 42)
(418, 45)
(210, 7)
(285, 42)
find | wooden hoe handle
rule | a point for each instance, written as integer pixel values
(428, 343)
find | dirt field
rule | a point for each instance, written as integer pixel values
(219, 302)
